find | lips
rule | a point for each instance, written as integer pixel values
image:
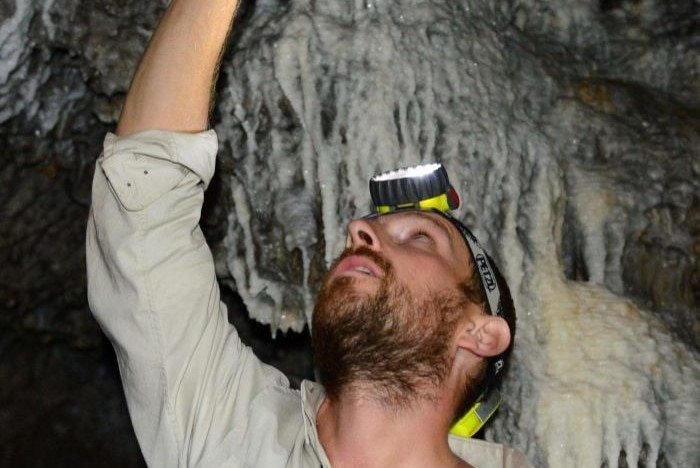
(358, 265)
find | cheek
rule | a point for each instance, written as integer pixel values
(425, 276)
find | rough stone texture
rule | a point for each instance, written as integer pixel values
(64, 67)
(602, 194)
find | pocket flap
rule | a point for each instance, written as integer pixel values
(138, 180)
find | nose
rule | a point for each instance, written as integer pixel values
(362, 233)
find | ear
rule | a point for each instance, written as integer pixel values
(484, 335)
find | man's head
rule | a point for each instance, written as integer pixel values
(401, 307)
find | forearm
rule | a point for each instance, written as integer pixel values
(172, 86)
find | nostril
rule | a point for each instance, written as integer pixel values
(361, 232)
(366, 238)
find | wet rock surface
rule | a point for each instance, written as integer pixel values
(609, 89)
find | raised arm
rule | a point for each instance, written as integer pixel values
(173, 84)
(190, 384)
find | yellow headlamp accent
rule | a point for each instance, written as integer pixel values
(477, 415)
(440, 202)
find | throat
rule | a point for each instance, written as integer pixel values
(362, 433)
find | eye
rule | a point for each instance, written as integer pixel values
(421, 236)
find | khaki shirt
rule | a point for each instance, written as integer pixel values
(196, 395)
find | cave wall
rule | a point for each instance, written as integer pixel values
(569, 128)
(571, 133)
(64, 68)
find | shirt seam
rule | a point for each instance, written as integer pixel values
(154, 321)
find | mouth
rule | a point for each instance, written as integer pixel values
(358, 266)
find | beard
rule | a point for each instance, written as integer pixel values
(390, 346)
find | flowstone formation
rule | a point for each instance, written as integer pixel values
(570, 130)
(571, 133)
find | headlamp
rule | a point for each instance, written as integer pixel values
(427, 187)
(422, 187)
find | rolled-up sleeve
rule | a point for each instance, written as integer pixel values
(151, 285)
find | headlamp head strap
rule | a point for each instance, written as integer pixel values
(487, 277)
(427, 187)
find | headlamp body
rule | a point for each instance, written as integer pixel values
(427, 187)
(424, 187)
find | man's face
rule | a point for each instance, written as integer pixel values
(389, 307)
(425, 249)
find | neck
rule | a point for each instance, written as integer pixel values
(361, 432)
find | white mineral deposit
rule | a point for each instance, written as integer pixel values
(555, 165)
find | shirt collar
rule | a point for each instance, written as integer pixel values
(312, 395)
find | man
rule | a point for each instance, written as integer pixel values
(401, 334)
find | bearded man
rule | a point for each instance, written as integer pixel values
(406, 330)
